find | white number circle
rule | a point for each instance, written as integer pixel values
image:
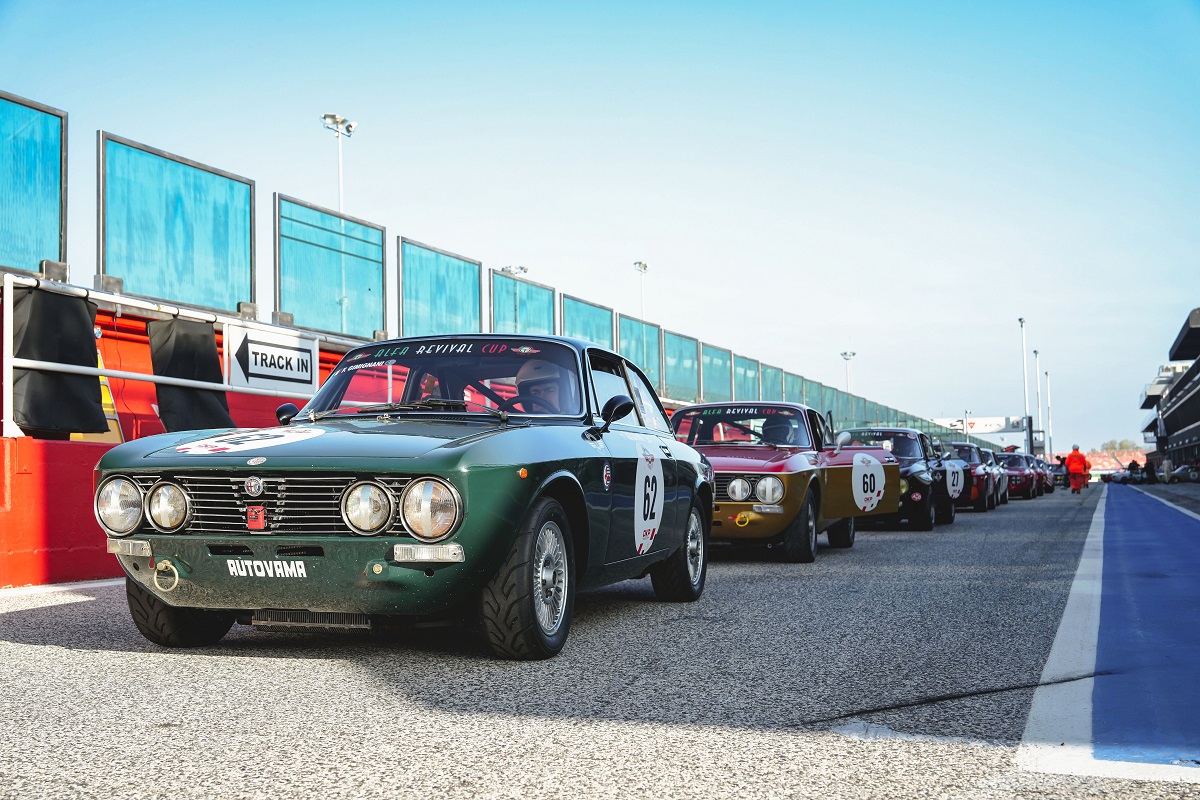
(866, 481)
(247, 440)
(648, 494)
(954, 479)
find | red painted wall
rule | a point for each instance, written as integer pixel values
(48, 533)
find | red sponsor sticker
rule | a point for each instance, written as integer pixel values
(256, 518)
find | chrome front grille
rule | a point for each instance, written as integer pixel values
(723, 479)
(294, 505)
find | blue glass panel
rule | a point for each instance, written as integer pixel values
(793, 388)
(585, 321)
(717, 371)
(440, 292)
(521, 307)
(30, 186)
(329, 279)
(772, 383)
(176, 231)
(639, 343)
(681, 371)
(829, 402)
(745, 378)
(814, 394)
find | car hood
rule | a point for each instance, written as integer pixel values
(330, 439)
(739, 458)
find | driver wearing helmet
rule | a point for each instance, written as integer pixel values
(777, 430)
(544, 381)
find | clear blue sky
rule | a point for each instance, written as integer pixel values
(901, 179)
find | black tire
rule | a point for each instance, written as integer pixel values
(841, 534)
(982, 503)
(993, 500)
(680, 579)
(509, 604)
(926, 516)
(1004, 497)
(946, 512)
(800, 538)
(173, 626)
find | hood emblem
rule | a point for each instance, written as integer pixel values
(254, 462)
(253, 486)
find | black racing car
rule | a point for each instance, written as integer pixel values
(929, 482)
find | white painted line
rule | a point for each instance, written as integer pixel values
(1180, 509)
(1058, 734)
(54, 588)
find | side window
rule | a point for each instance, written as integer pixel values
(927, 447)
(608, 382)
(821, 437)
(647, 404)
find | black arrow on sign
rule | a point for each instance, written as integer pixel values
(243, 358)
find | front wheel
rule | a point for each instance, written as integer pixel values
(172, 626)
(680, 579)
(925, 517)
(841, 534)
(1004, 497)
(526, 607)
(800, 537)
(946, 512)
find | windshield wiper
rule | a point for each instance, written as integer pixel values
(433, 402)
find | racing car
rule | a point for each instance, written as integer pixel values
(782, 478)
(482, 476)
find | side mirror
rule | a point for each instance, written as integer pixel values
(286, 412)
(616, 408)
(841, 441)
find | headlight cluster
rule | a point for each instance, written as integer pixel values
(429, 507)
(769, 490)
(119, 505)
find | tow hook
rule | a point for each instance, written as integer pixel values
(166, 570)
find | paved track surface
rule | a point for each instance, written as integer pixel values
(901, 668)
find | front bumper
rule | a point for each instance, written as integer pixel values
(329, 574)
(751, 521)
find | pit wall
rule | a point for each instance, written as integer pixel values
(48, 530)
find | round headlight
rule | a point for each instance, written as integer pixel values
(431, 509)
(769, 490)
(119, 505)
(903, 486)
(367, 508)
(739, 489)
(167, 507)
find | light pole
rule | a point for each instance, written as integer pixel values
(1037, 376)
(966, 428)
(1025, 378)
(340, 127)
(848, 354)
(643, 268)
(1049, 420)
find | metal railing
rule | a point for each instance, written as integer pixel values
(8, 424)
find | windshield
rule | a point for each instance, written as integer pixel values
(1011, 460)
(512, 375)
(967, 454)
(753, 424)
(899, 443)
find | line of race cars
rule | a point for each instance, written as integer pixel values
(483, 480)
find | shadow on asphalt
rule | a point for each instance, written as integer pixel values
(864, 631)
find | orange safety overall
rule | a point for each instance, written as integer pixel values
(1077, 468)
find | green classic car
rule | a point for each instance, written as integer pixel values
(429, 476)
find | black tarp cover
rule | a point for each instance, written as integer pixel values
(48, 326)
(181, 348)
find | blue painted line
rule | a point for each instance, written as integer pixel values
(1148, 709)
